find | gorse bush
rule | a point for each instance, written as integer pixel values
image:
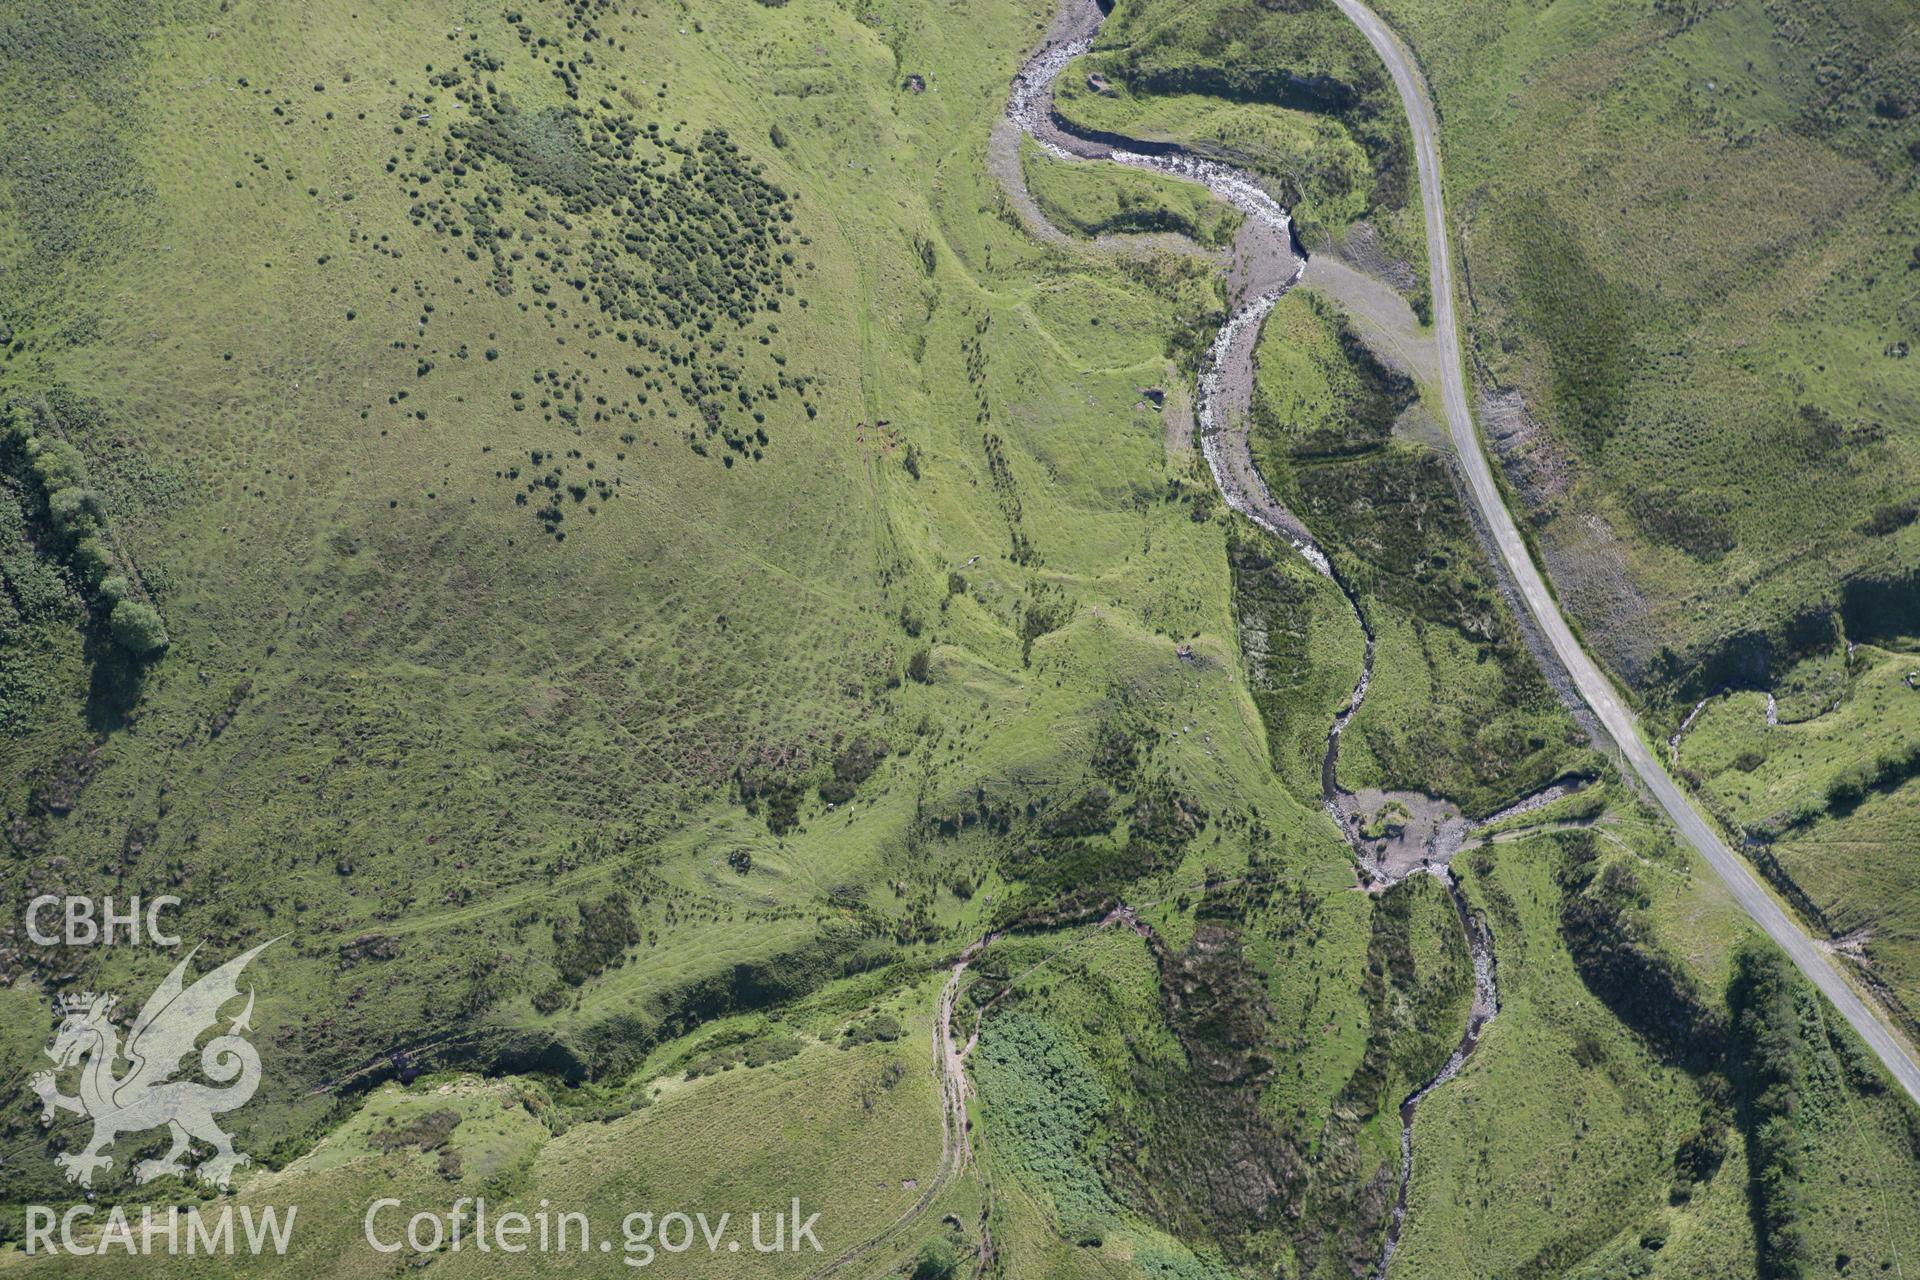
(593, 940)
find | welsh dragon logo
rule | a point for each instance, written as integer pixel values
(146, 1096)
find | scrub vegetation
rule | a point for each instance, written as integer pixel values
(1457, 706)
(596, 526)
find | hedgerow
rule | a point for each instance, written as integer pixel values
(73, 515)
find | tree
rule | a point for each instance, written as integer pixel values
(91, 558)
(75, 511)
(920, 666)
(137, 629)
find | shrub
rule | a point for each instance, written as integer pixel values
(78, 519)
(595, 939)
(137, 629)
(920, 666)
(57, 463)
(1694, 523)
(1090, 815)
(852, 767)
(883, 1027)
(1697, 1159)
(783, 811)
(1889, 518)
(1846, 792)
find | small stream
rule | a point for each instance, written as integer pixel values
(1270, 263)
(1486, 1003)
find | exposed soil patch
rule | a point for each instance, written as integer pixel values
(1527, 454)
(1363, 249)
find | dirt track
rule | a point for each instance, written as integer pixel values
(956, 1145)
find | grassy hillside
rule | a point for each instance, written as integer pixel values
(1228, 1077)
(1291, 91)
(1103, 199)
(1577, 1144)
(617, 571)
(594, 528)
(1313, 159)
(1687, 232)
(847, 1127)
(1824, 796)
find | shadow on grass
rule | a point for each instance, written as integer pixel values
(114, 684)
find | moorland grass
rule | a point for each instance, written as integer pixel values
(1711, 334)
(526, 802)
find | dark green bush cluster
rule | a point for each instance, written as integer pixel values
(685, 239)
(1890, 517)
(920, 666)
(1697, 1159)
(851, 767)
(594, 939)
(1884, 774)
(1090, 815)
(1766, 1068)
(1006, 490)
(776, 792)
(1695, 522)
(1042, 613)
(936, 1259)
(883, 1027)
(760, 1052)
(76, 522)
(428, 1131)
(1116, 752)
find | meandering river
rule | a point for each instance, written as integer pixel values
(1267, 262)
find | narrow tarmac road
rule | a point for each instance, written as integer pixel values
(1594, 686)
